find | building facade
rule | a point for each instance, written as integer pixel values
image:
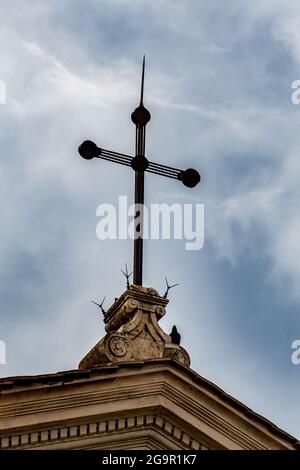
(134, 390)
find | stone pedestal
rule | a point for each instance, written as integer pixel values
(133, 332)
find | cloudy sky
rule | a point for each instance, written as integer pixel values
(218, 85)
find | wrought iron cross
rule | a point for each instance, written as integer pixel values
(139, 164)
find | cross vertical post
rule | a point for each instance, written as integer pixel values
(140, 117)
(138, 240)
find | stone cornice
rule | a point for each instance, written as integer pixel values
(160, 383)
(144, 298)
(134, 392)
(95, 434)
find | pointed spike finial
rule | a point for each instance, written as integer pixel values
(168, 288)
(127, 275)
(100, 305)
(142, 84)
(141, 116)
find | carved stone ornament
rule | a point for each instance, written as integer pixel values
(133, 332)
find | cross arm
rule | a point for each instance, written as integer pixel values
(152, 167)
(189, 177)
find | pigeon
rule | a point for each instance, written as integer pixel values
(175, 336)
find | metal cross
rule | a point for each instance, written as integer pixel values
(139, 163)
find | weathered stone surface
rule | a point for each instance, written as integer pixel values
(155, 404)
(133, 332)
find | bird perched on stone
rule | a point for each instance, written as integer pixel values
(175, 336)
